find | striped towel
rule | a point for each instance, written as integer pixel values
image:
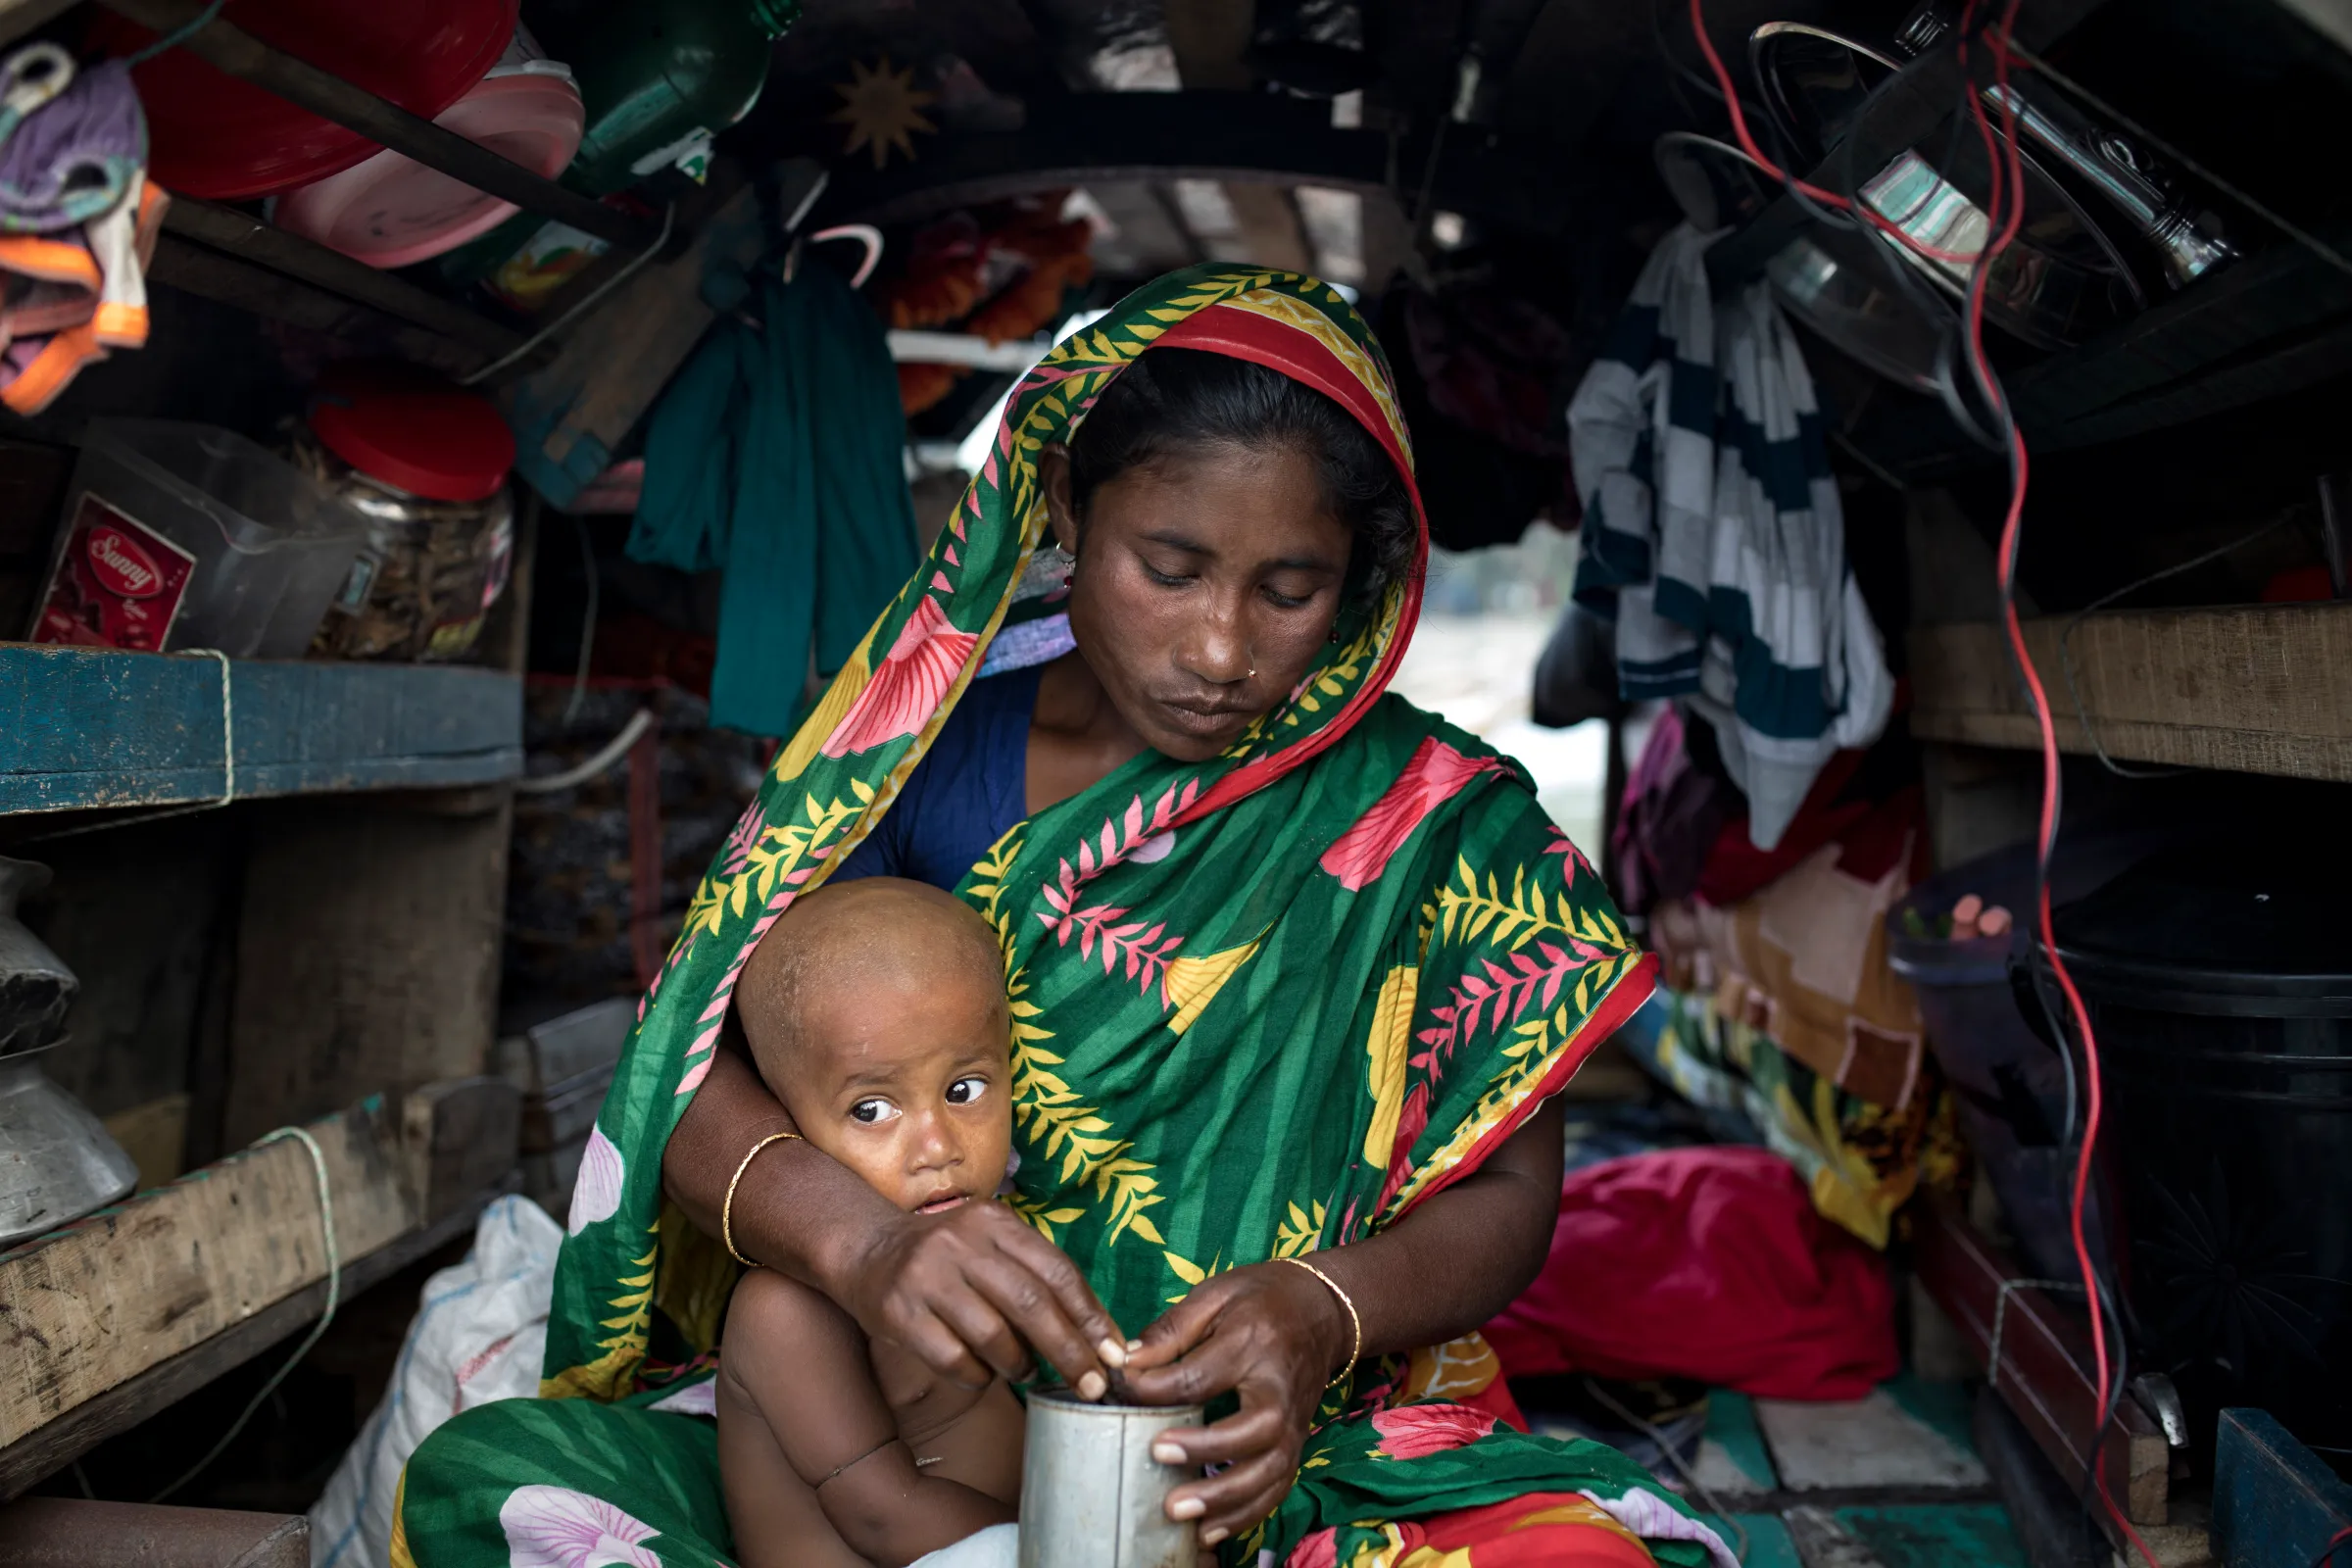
(1713, 536)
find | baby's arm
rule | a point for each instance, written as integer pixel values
(799, 1416)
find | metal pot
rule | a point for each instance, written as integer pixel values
(57, 1162)
(2061, 279)
(1092, 1495)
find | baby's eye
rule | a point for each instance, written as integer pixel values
(872, 1111)
(964, 1091)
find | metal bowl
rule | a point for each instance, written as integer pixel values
(1826, 278)
(2060, 281)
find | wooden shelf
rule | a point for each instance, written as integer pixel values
(2254, 689)
(238, 1248)
(83, 728)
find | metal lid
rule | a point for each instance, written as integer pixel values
(412, 431)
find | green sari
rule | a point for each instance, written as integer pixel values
(1262, 1005)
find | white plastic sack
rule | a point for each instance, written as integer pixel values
(478, 1335)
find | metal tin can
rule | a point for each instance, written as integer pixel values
(1092, 1495)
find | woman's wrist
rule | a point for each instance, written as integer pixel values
(1338, 1334)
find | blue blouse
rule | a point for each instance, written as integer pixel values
(965, 793)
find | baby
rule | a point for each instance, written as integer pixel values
(877, 1012)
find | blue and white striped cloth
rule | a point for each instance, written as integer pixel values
(1713, 536)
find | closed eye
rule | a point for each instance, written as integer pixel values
(1283, 601)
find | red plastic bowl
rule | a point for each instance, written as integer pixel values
(212, 135)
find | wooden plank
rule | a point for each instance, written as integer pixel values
(202, 271)
(2273, 1502)
(2254, 688)
(86, 1308)
(572, 415)
(231, 50)
(51, 1448)
(240, 235)
(84, 727)
(2045, 1372)
(462, 1137)
(20, 17)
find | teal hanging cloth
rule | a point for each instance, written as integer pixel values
(777, 455)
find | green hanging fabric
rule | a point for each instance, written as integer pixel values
(776, 455)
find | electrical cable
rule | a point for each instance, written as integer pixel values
(334, 1292)
(2006, 210)
(2327, 1551)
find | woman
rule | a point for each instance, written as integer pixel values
(1293, 967)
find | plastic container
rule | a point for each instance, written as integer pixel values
(2220, 984)
(391, 210)
(213, 135)
(180, 535)
(2010, 1082)
(425, 463)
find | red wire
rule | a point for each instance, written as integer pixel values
(1998, 40)
(2007, 189)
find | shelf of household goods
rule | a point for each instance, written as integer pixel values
(128, 1310)
(231, 50)
(2251, 688)
(90, 727)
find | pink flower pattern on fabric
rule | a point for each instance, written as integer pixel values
(596, 1193)
(1318, 1551)
(1435, 775)
(906, 690)
(556, 1527)
(1417, 1431)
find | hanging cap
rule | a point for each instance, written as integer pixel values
(412, 431)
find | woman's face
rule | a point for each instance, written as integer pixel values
(1207, 585)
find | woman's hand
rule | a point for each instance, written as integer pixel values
(1270, 1332)
(972, 1290)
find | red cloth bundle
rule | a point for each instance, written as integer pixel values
(1708, 1263)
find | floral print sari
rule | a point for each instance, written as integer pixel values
(1262, 1005)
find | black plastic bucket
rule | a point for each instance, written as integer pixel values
(2220, 985)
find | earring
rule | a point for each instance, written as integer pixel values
(1334, 638)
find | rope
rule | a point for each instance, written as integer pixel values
(334, 1291)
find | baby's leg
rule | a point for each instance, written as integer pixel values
(777, 1520)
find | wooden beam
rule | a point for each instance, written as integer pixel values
(98, 727)
(77, 1533)
(2254, 688)
(201, 270)
(247, 238)
(49, 1449)
(88, 1307)
(2044, 1374)
(231, 50)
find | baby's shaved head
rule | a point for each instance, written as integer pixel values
(862, 940)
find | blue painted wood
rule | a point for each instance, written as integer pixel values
(1938, 1535)
(1768, 1542)
(2274, 1504)
(83, 727)
(1732, 1422)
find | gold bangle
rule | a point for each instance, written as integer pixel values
(1354, 1322)
(726, 1210)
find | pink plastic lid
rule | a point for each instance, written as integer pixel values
(392, 210)
(412, 431)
